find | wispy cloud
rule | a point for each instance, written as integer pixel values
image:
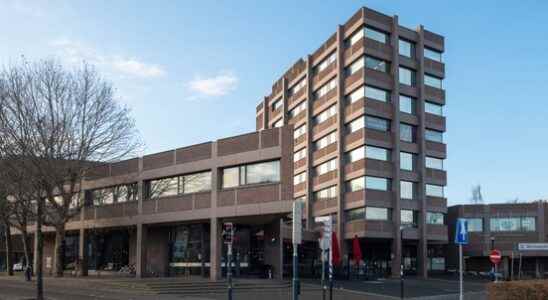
(75, 52)
(217, 85)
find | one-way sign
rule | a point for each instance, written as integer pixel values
(461, 233)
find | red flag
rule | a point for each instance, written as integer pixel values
(335, 251)
(356, 249)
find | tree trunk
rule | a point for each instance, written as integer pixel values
(9, 250)
(59, 252)
(25, 238)
(39, 252)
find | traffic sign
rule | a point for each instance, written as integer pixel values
(461, 233)
(495, 257)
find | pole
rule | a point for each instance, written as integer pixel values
(323, 275)
(402, 292)
(512, 267)
(229, 271)
(295, 272)
(330, 262)
(461, 288)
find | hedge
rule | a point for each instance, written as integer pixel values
(519, 290)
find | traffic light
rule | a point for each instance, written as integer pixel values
(228, 233)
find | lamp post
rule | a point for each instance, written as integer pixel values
(402, 227)
(494, 265)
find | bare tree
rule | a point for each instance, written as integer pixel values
(477, 197)
(64, 123)
(5, 212)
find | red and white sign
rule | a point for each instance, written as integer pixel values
(495, 257)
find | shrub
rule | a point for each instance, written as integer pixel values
(518, 290)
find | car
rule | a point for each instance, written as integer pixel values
(18, 267)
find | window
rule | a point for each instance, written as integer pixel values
(407, 104)
(197, 182)
(278, 123)
(356, 154)
(301, 154)
(513, 224)
(356, 95)
(297, 109)
(432, 54)
(297, 87)
(434, 218)
(326, 88)
(356, 36)
(407, 161)
(433, 108)
(406, 48)
(408, 217)
(327, 193)
(277, 104)
(377, 123)
(407, 190)
(433, 81)
(376, 64)
(433, 135)
(407, 76)
(99, 196)
(326, 167)
(163, 187)
(355, 125)
(434, 163)
(376, 213)
(326, 114)
(377, 183)
(265, 172)
(299, 178)
(355, 214)
(326, 62)
(407, 133)
(356, 184)
(125, 193)
(355, 66)
(299, 131)
(326, 140)
(377, 153)
(376, 35)
(475, 224)
(377, 94)
(434, 190)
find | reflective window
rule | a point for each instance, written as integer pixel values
(356, 154)
(433, 81)
(377, 153)
(432, 54)
(407, 190)
(163, 187)
(277, 104)
(356, 184)
(355, 214)
(299, 131)
(299, 155)
(297, 87)
(434, 163)
(407, 133)
(376, 213)
(377, 123)
(376, 35)
(433, 135)
(475, 224)
(231, 177)
(406, 48)
(434, 218)
(356, 95)
(377, 183)
(326, 140)
(326, 167)
(434, 190)
(326, 114)
(100, 197)
(278, 123)
(299, 178)
(376, 64)
(355, 125)
(125, 193)
(326, 62)
(194, 183)
(359, 34)
(297, 109)
(407, 76)
(377, 94)
(513, 224)
(355, 66)
(407, 161)
(407, 104)
(326, 88)
(327, 193)
(433, 108)
(265, 172)
(408, 217)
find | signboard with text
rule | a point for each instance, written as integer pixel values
(533, 246)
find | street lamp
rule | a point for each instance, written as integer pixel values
(402, 227)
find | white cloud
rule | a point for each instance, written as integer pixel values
(29, 8)
(221, 84)
(75, 52)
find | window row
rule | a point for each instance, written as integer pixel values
(407, 188)
(264, 172)
(408, 161)
(326, 140)
(503, 224)
(178, 185)
(115, 194)
(407, 217)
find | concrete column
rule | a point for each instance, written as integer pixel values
(141, 259)
(83, 253)
(215, 249)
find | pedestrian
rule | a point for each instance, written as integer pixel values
(28, 273)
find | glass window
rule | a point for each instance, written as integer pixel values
(356, 184)
(376, 213)
(198, 182)
(326, 167)
(299, 155)
(406, 48)
(432, 54)
(407, 190)
(433, 108)
(297, 87)
(377, 123)
(297, 109)
(377, 183)
(433, 81)
(100, 197)
(376, 64)
(326, 62)
(528, 224)
(433, 135)
(356, 154)
(326, 88)
(299, 131)
(355, 214)
(278, 123)
(434, 190)
(407, 133)
(231, 177)
(434, 163)
(299, 178)
(407, 161)
(377, 94)
(475, 224)
(356, 95)
(125, 193)
(408, 217)
(407, 104)
(513, 224)
(407, 76)
(163, 187)
(327, 193)
(263, 172)
(376, 35)
(434, 218)
(355, 66)
(356, 36)
(377, 153)
(355, 125)
(277, 104)
(326, 114)
(326, 140)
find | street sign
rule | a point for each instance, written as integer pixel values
(325, 231)
(495, 257)
(297, 222)
(461, 233)
(533, 246)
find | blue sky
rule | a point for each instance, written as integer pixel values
(193, 71)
